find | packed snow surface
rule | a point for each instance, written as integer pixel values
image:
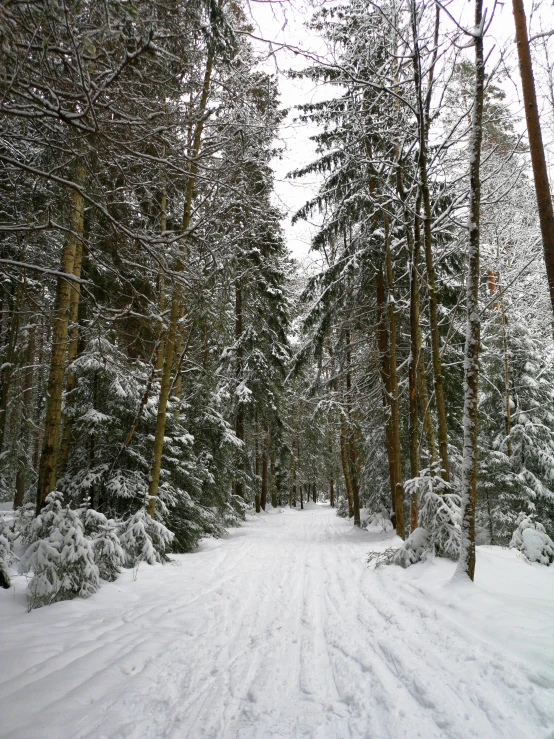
(282, 630)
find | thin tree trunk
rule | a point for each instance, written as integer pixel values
(256, 465)
(425, 407)
(428, 242)
(382, 336)
(538, 160)
(345, 460)
(292, 488)
(177, 298)
(24, 435)
(395, 419)
(72, 351)
(52, 423)
(239, 421)
(158, 364)
(508, 410)
(332, 492)
(263, 501)
(274, 488)
(179, 345)
(39, 398)
(353, 459)
(7, 371)
(413, 370)
(466, 564)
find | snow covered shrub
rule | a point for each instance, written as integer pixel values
(143, 539)
(60, 558)
(108, 553)
(5, 555)
(532, 540)
(438, 533)
(342, 507)
(415, 549)
(188, 520)
(234, 511)
(440, 515)
(23, 522)
(379, 522)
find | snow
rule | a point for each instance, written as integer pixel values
(282, 630)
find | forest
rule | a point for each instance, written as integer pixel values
(171, 372)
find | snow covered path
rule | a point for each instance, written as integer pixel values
(281, 630)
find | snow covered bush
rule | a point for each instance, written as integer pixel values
(61, 558)
(438, 533)
(440, 515)
(144, 540)
(5, 555)
(415, 549)
(531, 539)
(23, 522)
(188, 520)
(342, 507)
(108, 553)
(234, 511)
(379, 522)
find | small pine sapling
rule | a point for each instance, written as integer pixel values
(342, 507)
(61, 558)
(108, 553)
(440, 515)
(438, 533)
(144, 540)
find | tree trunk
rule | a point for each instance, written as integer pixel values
(239, 421)
(263, 501)
(430, 268)
(508, 410)
(52, 423)
(274, 485)
(466, 564)
(382, 336)
(332, 492)
(179, 349)
(7, 371)
(24, 434)
(353, 458)
(177, 298)
(72, 351)
(39, 397)
(413, 370)
(345, 460)
(395, 419)
(257, 466)
(159, 360)
(538, 160)
(425, 407)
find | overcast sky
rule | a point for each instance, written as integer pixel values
(280, 22)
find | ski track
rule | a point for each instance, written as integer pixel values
(279, 630)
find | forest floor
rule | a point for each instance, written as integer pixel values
(282, 630)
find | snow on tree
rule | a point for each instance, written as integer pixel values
(144, 539)
(61, 558)
(531, 539)
(5, 555)
(108, 553)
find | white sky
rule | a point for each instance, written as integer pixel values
(283, 22)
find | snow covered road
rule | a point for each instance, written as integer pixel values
(282, 630)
